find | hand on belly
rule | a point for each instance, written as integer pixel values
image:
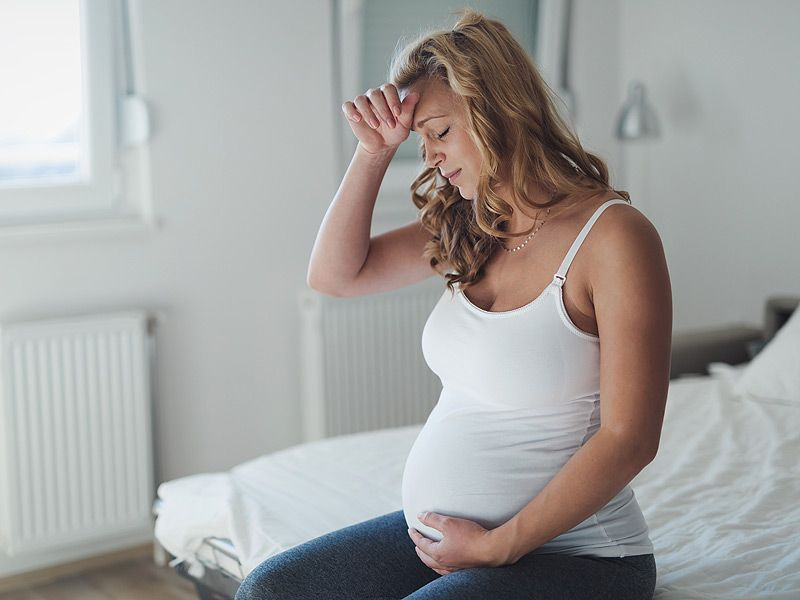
(463, 544)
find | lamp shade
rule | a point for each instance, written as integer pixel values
(637, 119)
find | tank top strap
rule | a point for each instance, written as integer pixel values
(561, 274)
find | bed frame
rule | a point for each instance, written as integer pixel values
(691, 354)
(222, 571)
(219, 581)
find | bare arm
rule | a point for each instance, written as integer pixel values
(342, 243)
(345, 261)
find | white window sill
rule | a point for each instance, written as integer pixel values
(79, 229)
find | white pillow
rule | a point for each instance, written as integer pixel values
(774, 373)
(729, 374)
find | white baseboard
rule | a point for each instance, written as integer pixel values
(24, 563)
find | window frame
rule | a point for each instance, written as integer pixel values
(116, 192)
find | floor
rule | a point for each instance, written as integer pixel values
(139, 579)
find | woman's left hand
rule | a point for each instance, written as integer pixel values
(464, 544)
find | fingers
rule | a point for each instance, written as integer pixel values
(423, 543)
(410, 100)
(424, 548)
(375, 106)
(380, 106)
(351, 112)
(407, 108)
(364, 107)
(392, 98)
(429, 562)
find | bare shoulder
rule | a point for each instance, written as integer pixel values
(626, 252)
(623, 227)
(618, 224)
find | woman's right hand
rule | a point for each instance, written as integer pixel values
(379, 119)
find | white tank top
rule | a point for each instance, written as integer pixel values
(520, 395)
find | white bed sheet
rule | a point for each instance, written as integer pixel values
(722, 498)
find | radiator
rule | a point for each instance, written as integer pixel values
(362, 364)
(75, 453)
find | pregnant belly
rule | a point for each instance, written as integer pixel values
(477, 466)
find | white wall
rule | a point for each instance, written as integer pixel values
(595, 79)
(720, 185)
(243, 170)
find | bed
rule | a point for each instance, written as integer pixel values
(722, 498)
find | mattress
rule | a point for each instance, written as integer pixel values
(721, 497)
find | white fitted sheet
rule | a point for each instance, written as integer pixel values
(722, 498)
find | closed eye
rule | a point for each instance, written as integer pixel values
(438, 136)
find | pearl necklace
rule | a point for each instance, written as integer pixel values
(530, 235)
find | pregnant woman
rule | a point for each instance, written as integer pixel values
(552, 342)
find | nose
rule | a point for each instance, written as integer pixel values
(432, 158)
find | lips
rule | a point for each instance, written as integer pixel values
(451, 175)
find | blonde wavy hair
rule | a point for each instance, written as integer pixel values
(512, 119)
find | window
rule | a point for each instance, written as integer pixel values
(41, 137)
(61, 153)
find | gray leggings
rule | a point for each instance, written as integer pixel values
(375, 559)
